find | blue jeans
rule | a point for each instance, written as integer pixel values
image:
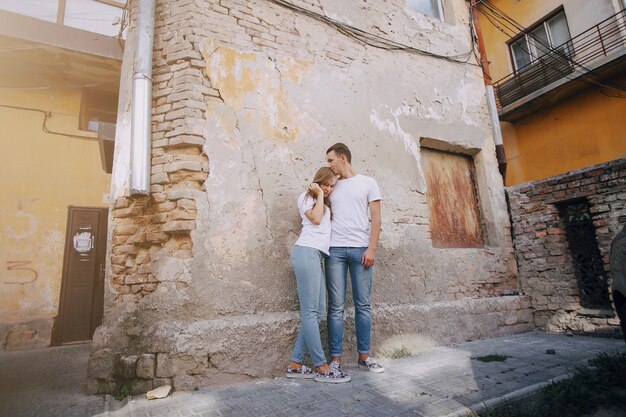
(340, 261)
(308, 264)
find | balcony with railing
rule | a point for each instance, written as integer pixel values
(589, 57)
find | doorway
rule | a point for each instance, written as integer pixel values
(81, 304)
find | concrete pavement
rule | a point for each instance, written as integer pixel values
(440, 381)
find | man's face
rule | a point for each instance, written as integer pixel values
(335, 162)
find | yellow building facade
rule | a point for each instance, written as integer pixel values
(58, 104)
(571, 122)
(43, 174)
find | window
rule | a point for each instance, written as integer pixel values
(552, 33)
(430, 8)
(96, 107)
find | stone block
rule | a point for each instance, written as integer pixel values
(125, 367)
(156, 237)
(146, 366)
(182, 214)
(101, 365)
(166, 206)
(125, 250)
(125, 229)
(159, 382)
(186, 204)
(135, 279)
(183, 165)
(186, 140)
(179, 226)
(141, 386)
(160, 178)
(171, 365)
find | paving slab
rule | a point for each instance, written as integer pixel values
(441, 381)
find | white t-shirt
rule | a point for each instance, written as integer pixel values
(349, 202)
(313, 235)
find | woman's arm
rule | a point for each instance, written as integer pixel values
(317, 212)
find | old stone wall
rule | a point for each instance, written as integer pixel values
(248, 95)
(546, 268)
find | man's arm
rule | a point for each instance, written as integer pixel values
(370, 253)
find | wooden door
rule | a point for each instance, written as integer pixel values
(82, 287)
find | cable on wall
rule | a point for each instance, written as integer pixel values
(46, 116)
(370, 39)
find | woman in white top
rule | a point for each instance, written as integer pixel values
(307, 260)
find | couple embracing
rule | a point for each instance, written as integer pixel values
(328, 247)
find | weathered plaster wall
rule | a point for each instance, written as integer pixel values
(247, 97)
(547, 271)
(42, 174)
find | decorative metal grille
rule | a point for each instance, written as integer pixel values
(583, 245)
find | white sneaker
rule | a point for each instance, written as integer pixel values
(371, 365)
(302, 372)
(332, 376)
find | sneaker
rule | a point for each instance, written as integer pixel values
(336, 366)
(303, 372)
(371, 365)
(332, 376)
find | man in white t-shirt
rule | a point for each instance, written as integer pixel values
(352, 248)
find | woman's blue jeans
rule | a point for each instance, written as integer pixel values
(340, 261)
(308, 265)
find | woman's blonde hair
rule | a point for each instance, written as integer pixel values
(324, 175)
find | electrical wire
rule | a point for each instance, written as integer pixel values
(370, 39)
(512, 28)
(46, 116)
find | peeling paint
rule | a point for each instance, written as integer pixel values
(255, 87)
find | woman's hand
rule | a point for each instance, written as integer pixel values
(317, 190)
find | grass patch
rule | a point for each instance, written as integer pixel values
(123, 393)
(602, 385)
(397, 353)
(492, 358)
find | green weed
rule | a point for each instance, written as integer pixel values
(397, 353)
(492, 358)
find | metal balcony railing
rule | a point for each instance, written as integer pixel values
(577, 54)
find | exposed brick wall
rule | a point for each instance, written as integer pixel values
(546, 270)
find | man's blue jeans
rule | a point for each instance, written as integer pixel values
(308, 265)
(340, 261)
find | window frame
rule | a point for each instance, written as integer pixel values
(531, 49)
(438, 12)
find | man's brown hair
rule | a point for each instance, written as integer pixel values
(341, 149)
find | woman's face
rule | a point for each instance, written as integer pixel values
(328, 188)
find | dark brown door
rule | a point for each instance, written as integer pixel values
(82, 287)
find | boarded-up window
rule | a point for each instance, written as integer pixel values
(452, 203)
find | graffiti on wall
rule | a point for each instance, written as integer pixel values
(21, 273)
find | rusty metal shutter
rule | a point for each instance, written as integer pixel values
(452, 204)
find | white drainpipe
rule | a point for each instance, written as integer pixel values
(141, 122)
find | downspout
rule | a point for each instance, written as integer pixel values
(491, 100)
(141, 121)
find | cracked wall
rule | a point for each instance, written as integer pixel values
(247, 97)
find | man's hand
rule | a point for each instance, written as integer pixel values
(368, 257)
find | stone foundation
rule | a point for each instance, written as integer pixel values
(223, 351)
